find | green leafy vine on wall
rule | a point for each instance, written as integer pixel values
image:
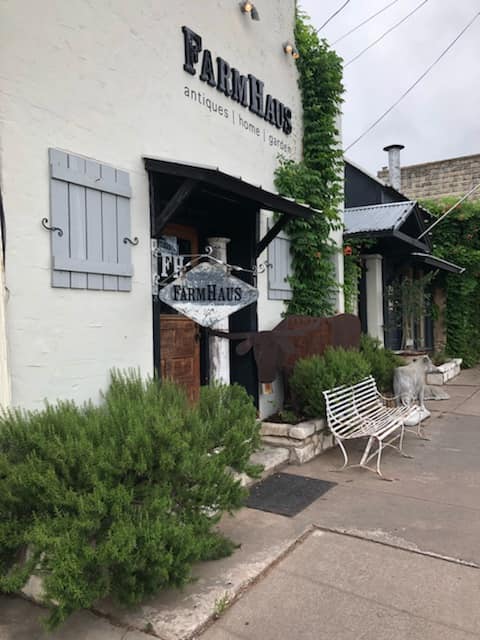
(318, 179)
(352, 271)
(352, 265)
(457, 239)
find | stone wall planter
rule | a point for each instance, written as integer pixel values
(304, 440)
(445, 372)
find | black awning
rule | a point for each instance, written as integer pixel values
(438, 263)
(214, 177)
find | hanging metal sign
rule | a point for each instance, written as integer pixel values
(207, 294)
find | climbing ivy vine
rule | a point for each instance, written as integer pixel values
(318, 179)
(457, 239)
(351, 276)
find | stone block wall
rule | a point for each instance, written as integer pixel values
(303, 441)
(435, 180)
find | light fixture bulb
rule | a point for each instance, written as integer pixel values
(295, 54)
(288, 48)
(247, 7)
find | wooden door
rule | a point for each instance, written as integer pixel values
(180, 336)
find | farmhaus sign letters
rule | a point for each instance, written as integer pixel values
(207, 294)
(247, 90)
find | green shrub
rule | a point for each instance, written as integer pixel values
(382, 361)
(228, 416)
(122, 498)
(311, 376)
(439, 358)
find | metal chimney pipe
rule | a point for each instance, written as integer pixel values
(394, 170)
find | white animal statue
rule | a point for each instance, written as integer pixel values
(409, 381)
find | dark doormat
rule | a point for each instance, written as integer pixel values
(286, 494)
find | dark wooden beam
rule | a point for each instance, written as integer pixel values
(422, 226)
(179, 197)
(271, 233)
(231, 185)
(412, 241)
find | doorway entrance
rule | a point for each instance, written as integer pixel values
(179, 336)
(202, 200)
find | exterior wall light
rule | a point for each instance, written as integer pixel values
(249, 7)
(291, 50)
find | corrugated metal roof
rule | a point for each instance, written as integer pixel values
(377, 217)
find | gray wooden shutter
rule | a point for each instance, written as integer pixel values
(281, 260)
(90, 203)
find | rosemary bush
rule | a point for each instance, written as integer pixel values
(119, 499)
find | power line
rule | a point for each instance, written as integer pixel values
(333, 16)
(444, 215)
(397, 24)
(417, 81)
(365, 22)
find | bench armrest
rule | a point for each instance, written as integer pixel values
(394, 399)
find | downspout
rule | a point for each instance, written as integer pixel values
(5, 390)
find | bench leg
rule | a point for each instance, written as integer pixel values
(418, 431)
(345, 456)
(400, 446)
(421, 432)
(380, 449)
(367, 456)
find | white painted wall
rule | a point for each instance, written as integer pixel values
(106, 80)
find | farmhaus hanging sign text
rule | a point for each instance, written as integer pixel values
(207, 294)
(247, 90)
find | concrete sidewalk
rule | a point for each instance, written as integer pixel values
(337, 586)
(334, 585)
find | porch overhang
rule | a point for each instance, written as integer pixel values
(195, 176)
(392, 221)
(438, 263)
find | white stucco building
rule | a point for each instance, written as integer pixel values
(110, 114)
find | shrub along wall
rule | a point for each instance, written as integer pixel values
(120, 499)
(382, 362)
(311, 376)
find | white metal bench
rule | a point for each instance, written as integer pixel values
(370, 401)
(360, 411)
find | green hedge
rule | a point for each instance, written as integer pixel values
(122, 498)
(311, 376)
(382, 361)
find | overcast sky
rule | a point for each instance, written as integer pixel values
(440, 118)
